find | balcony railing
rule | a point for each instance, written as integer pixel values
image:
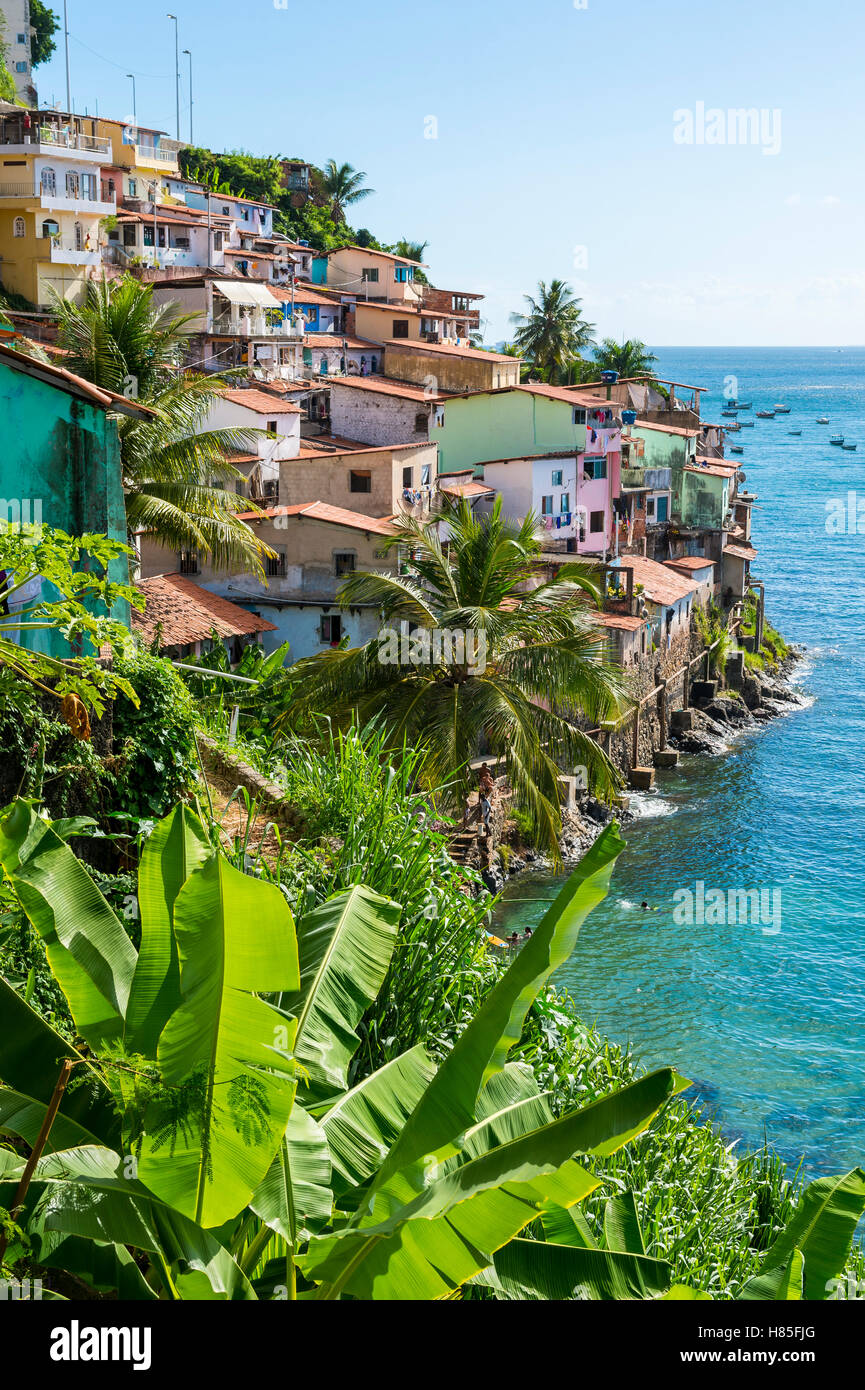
(18, 190)
(164, 154)
(254, 325)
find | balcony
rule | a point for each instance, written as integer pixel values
(51, 141)
(51, 249)
(57, 202)
(647, 479)
(164, 156)
(253, 324)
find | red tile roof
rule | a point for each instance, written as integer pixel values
(383, 385)
(189, 613)
(329, 446)
(664, 429)
(323, 511)
(620, 620)
(660, 585)
(74, 385)
(260, 402)
(472, 489)
(716, 468)
(689, 563)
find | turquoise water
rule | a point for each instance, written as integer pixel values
(769, 1025)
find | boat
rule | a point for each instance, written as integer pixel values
(746, 424)
(736, 449)
(822, 419)
(849, 447)
(729, 412)
(765, 414)
(731, 429)
(782, 409)
(738, 405)
(796, 432)
(836, 439)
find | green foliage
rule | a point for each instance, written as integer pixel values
(46, 24)
(629, 358)
(157, 762)
(712, 627)
(553, 333)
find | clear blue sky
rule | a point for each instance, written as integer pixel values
(555, 132)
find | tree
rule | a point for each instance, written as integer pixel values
(45, 24)
(553, 333)
(343, 185)
(412, 251)
(631, 357)
(514, 649)
(174, 471)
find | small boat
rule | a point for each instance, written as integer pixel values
(836, 439)
(746, 424)
(730, 412)
(736, 449)
(734, 404)
(796, 432)
(782, 409)
(822, 419)
(851, 448)
(732, 429)
(765, 414)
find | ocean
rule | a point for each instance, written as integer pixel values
(767, 1023)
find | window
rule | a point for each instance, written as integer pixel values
(331, 629)
(129, 234)
(274, 566)
(344, 562)
(595, 467)
(359, 482)
(49, 181)
(579, 415)
(22, 38)
(88, 187)
(546, 506)
(408, 477)
(133, 188)
(217, 241)
(20, 67)
(650, 507)
(79, 237)
(188, 562)
(596, 521)
(565, 502)
(400, 328)
(271, 425)
(73, 185)
(557, 477)
(424, 475)
(50, 227)
(181, 242)
(18, 228)
(370, 274)
(421, 421)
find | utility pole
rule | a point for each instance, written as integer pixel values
(189, 56)
(131, 76)
(66, 37)
(176, 70)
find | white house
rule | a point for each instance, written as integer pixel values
(567, 491)
(249, 409)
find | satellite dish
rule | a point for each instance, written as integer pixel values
(741, 476)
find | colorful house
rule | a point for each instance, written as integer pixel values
(451, 368)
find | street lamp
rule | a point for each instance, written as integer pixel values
(131, 76)
(176, 69)
(189, 56)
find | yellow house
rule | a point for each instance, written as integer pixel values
(141, 157)
(51, 202)
(373, 275)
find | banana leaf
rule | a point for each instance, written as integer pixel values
(344, 946)
(364, 1123)
(90, 954)
(784, 1284)
(177, 845)
(448, 1105)
(295, 1199)
(566, 1271)
(822, 1228)
(224, 1054)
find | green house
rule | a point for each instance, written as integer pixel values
(515, 422)
(60, 457)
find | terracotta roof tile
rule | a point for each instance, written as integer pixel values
(323, 511)
(189, 613)
(688, 563)
(383, 385)
(260, 402)
(741, 552)
(660, 584)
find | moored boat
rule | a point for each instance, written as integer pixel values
(729, 412)
(836, 439)
(822, 419)
(796, 432)
(849, 447)
(736, 449)
(746, 424)
(782, 409)
(765, 414)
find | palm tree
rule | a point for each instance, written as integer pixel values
(412, 251)
(174, 471)
(344, 185)
(631, 357)
(541, 644)
(553, 332)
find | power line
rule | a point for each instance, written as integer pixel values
(153, 77)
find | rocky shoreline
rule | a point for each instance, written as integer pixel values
(762, 698)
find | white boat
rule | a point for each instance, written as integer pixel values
(796, 432)
(836, 439)
(782, 409)
(822, 419)
(765, 414)
(747, 424)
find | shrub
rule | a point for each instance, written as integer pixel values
(156, 760)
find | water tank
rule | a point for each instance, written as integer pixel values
(628, 417)
(609, 377)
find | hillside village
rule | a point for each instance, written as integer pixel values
(366, 397)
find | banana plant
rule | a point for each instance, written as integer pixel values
(225, 1045)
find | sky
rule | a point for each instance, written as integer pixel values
(578, 139)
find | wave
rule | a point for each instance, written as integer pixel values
(647, 806)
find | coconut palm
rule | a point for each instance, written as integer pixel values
(630, 357)
(553, 333)
(526, 697)
(343, 184)
(174, 471)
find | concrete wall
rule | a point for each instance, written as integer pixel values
(512, 424)
(452, 372)
(327, 478)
